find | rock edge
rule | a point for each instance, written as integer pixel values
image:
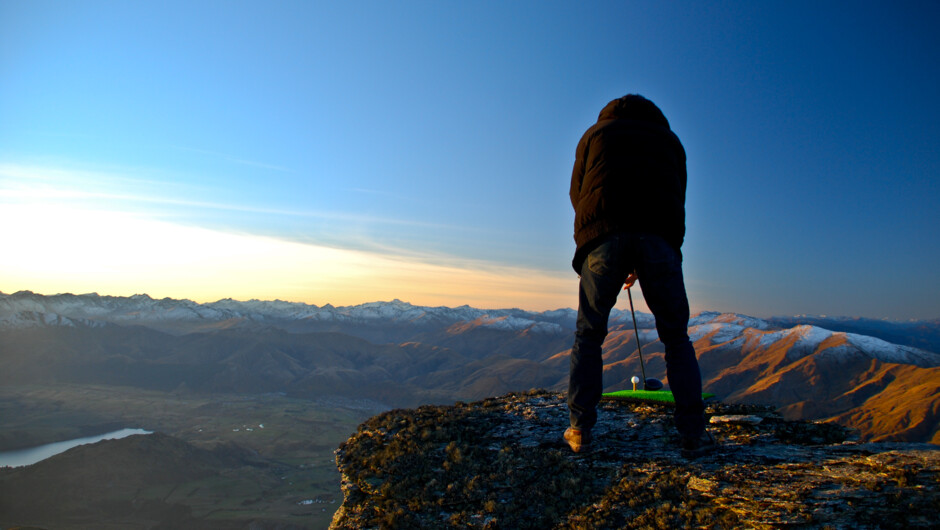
(497, 463)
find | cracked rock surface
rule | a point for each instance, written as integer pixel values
(499, 463)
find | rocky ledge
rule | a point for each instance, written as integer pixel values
(498, 463)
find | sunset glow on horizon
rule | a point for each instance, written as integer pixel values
(68, 249)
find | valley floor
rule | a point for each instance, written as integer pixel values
(266, 458)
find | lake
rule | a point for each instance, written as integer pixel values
(25, 457)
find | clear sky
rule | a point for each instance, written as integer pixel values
(347, 152)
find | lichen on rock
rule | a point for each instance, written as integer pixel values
(499, 463)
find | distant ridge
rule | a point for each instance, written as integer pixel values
(24, 308)
(924, 334)
(185, 315)
(400, 354)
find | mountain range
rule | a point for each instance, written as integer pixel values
(879, 377)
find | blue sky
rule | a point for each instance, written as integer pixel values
(348, 152)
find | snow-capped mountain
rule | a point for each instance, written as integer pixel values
(805, 340)
(404, 355)
(923, 334)
(25, 309)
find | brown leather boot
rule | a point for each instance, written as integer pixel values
(578, 439)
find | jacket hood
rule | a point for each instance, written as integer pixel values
(633, 107)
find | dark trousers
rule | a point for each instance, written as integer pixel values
(659, 269)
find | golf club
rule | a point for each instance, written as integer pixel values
(651, 383)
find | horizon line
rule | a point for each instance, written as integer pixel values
(405, 302)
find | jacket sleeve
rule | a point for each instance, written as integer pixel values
(683, 184)
(577, 175)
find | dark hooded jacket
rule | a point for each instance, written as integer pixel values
(629, 176)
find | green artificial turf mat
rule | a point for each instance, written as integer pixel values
(661, 396)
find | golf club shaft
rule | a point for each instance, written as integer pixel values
(636, 333)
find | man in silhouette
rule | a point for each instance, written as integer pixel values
(628, 192)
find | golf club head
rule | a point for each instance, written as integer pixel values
(652, 384)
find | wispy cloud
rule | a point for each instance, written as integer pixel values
(35, 183)
(399, 251)
(120, 253)
(235, 159)
(383, 193)
(141, 193)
